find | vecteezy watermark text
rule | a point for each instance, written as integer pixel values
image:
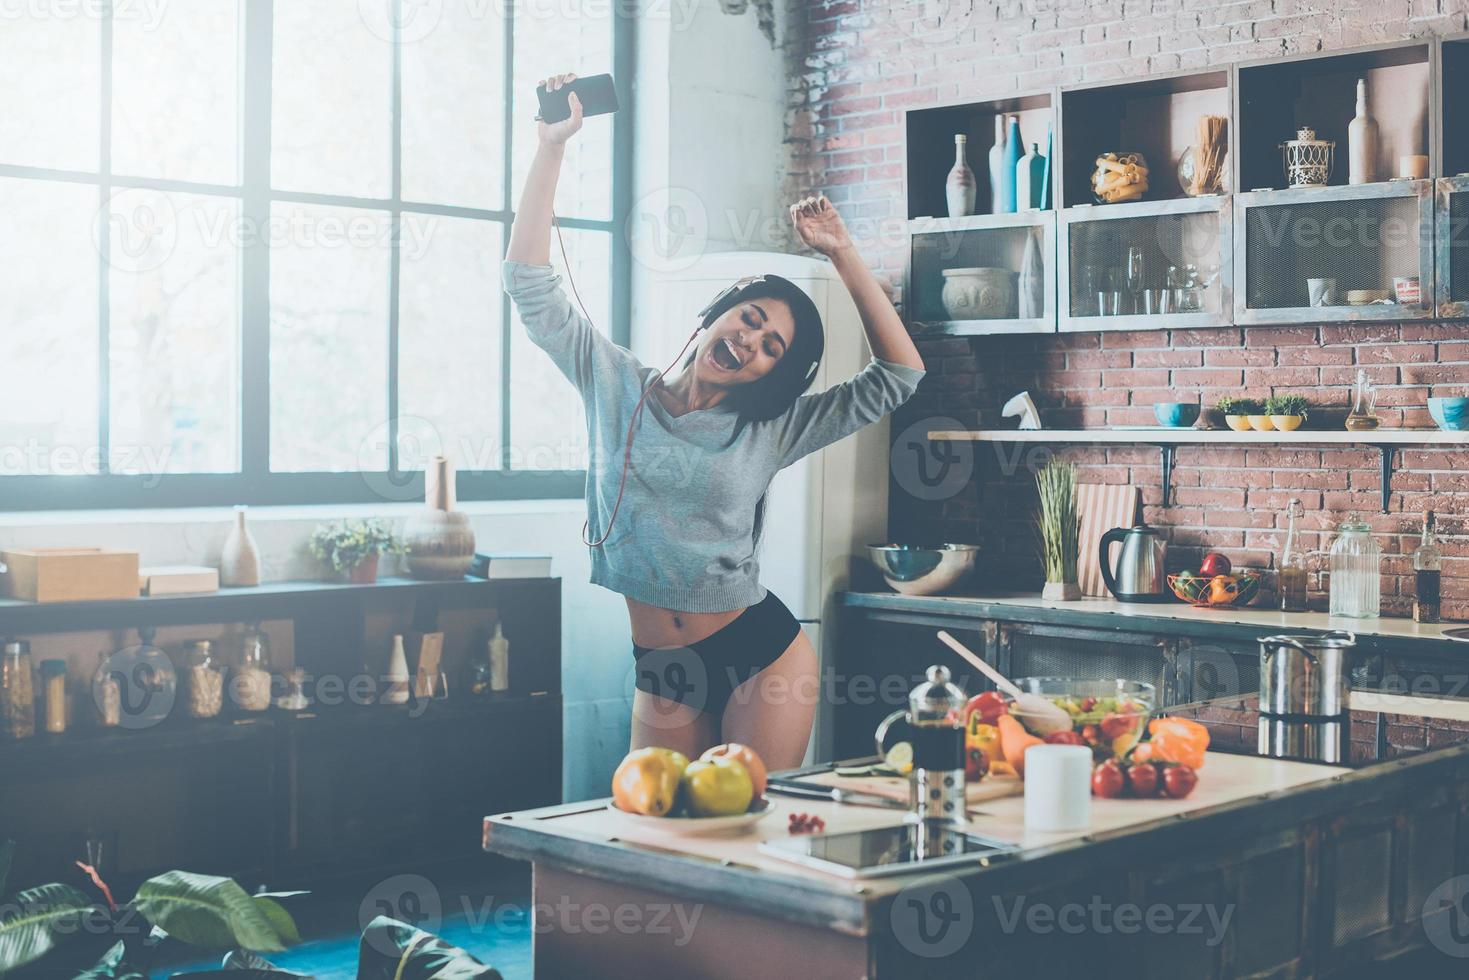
(1100, 917)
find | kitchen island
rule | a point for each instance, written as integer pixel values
(1270, 868)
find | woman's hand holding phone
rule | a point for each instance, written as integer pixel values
(556, 134)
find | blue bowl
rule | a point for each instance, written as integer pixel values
(1450, 413)
(1177, 415)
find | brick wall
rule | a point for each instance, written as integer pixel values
(857, 64)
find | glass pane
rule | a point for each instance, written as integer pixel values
(453, 104)
(547, 424)
(332, 99)
(558, 36)
(328, 339)
(449, 342)
(50, 74)
(175, 92)
(48, 328)
(173, 348)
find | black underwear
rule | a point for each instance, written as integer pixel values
(705, 673)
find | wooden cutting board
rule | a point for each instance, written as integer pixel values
(1101, 508)
(896, 787)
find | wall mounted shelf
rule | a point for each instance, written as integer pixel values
(1168, 439)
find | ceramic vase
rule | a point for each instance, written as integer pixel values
(397, 678)
(1032, 279)
(1361, 141)
(960, 187)
(439, 540)
(1030, 175)
(997, 165)
(1064, 591)
(239, 561)
(1013, 150)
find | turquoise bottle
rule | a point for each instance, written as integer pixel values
(1013, 153)
(1030, 176)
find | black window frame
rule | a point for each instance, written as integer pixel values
(255, 484)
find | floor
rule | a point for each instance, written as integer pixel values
(491, 921)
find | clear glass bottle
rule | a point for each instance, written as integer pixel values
(53, 680)
(106, 693)
(1427, 575)
(17, 690)
(1292, 577)
(1356, 571)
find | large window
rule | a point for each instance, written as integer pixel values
(249, 250)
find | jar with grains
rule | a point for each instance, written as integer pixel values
(251, 687)
(17, 690)
(53, 678)
(206, 682)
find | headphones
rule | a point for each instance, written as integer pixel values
(724, 300)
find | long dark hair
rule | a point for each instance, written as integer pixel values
(769, 397)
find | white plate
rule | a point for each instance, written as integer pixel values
(759, 809)
(1461, 634)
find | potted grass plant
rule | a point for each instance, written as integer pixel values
(1287, 412)
(1240, 413)
(352, 549)
(1059, 527)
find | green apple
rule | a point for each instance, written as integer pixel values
(718, 787)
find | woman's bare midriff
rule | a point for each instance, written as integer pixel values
(658, 628)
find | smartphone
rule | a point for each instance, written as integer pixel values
(597, 94)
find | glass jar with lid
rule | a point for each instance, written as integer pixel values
(17, 690)
(1356, 571)
(251, 688)
(206, 682)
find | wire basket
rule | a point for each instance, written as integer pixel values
(1307, 159)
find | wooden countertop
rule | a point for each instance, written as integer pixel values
(1246, 623)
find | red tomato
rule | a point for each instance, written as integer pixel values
(1214, 564)
(1142, 779)
(1065, 738)
(1178, 781)
(1114, 725)
(1107, 780)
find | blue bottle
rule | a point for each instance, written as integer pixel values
(1013, 152)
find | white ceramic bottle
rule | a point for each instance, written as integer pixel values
(961, 186)
(1361, 141)
(239, 560)
(997, 166)
(397, 679)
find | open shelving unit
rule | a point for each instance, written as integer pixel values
(1255, 246)
(1016, 250)
(1167, 439)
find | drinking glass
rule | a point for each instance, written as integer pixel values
(1135, 276)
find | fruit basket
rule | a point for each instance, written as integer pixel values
(1215, 591)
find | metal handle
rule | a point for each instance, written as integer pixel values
(1270, 643)
(882, 730)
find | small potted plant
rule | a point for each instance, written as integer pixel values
(1287, 412)
(352, 548)
(1059, 526)
(1240, 413)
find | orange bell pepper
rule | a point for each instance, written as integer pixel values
(1178, 740)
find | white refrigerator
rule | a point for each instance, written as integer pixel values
(824, 509)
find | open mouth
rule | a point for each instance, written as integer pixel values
(726, 356)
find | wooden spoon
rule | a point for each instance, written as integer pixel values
(1043, 715)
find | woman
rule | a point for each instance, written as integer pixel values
(675, 528)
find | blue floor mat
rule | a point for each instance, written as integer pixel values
(498, 935)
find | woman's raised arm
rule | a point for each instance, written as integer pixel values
(530, 235)
(820, 227)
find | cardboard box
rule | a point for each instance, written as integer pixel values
(178, 579)
(70, 574)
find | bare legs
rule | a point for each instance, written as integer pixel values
(771, 712)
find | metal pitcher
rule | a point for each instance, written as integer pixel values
(1140, 575)
(1306, 675)
(933, 725)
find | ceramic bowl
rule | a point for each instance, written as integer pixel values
(1239, 423)
(1260, 423)
(1286, 423)
(1178, 415)
(979, 293)
(1451, 414)
(918, 570)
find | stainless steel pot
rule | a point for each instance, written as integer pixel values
(1306, 675)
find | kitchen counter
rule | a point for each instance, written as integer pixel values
(1319, 866)
(1173, 617)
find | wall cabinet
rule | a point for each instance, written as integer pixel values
(983, 274)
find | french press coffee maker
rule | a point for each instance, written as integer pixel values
(933, 725)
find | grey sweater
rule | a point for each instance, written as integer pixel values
(685, 537)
